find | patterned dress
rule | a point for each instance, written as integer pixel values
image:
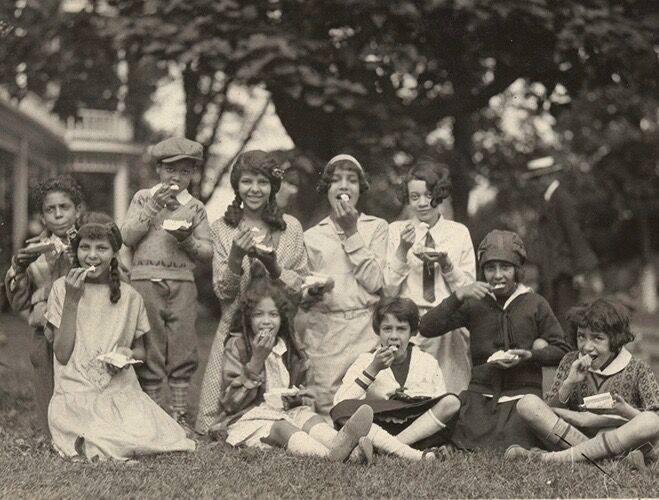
(229, 287)
(628, 376)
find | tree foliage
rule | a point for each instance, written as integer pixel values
(378, 79)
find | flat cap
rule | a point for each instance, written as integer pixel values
(177, 148)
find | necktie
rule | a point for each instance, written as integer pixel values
(429, 274)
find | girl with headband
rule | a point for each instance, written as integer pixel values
(349, 247)
(97, 323)
(253, 232)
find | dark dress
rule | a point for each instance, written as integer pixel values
(484, 422)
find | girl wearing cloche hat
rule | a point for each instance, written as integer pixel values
(513, 333)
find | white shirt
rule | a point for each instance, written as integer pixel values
(405, 279)
(551, 188)
(424, 378)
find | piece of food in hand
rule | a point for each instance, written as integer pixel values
(264, 332)
(173, 224)
(502, 356)
(264, 248)
(602, 401)
(274, 398)
(117, 359)
(89, 269)
(175, 187)
(41, 247)
(425, 227)
(317, 280)
(392, 349)
(426, 252)
(344, 197)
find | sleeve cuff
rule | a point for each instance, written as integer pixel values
(188, 243)
(354, 243)
(15, 269)
(399, 267)
(452, 302)
(152, 208)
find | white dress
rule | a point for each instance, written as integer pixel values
(91, 411)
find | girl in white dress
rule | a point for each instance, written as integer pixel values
(98, 410)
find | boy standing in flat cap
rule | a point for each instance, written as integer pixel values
(168, 232)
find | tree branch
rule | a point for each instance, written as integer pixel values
(248, 137)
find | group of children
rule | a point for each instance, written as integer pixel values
(399, 335)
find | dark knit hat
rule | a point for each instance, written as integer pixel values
(505, 246)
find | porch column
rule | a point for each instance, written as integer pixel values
(20, 195)
(121, 192)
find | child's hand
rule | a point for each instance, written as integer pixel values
(476, 290)
(24, 258)
(164, 195)
(269, 260)
(407, 236)
(579, 369)
(262, 346)
(440, 258)
(622, 407)
(75, 283)
(383, 359)
(113, 370)
(346, 217)
(243, 241)
(506, 364)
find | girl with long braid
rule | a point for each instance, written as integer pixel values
(97, 325)
(253, 232)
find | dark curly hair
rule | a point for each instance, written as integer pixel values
(325, 180)
(402, 309)
(256, 162)
(436, 176)
(260, 287)
(97, 226)
(608, 316)
(60, 184)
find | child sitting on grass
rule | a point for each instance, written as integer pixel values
(263, 367)
(501, 314)
(32, 273)
(600, 365)
(402, 384)
(98, 409)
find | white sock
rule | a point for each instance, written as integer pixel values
(301, 443)
(424, 426)
(384, 441)
(323, 433)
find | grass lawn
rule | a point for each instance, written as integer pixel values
(29, 469)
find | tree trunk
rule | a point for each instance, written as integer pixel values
(462, 183)
(311, 129)
(648, 277)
